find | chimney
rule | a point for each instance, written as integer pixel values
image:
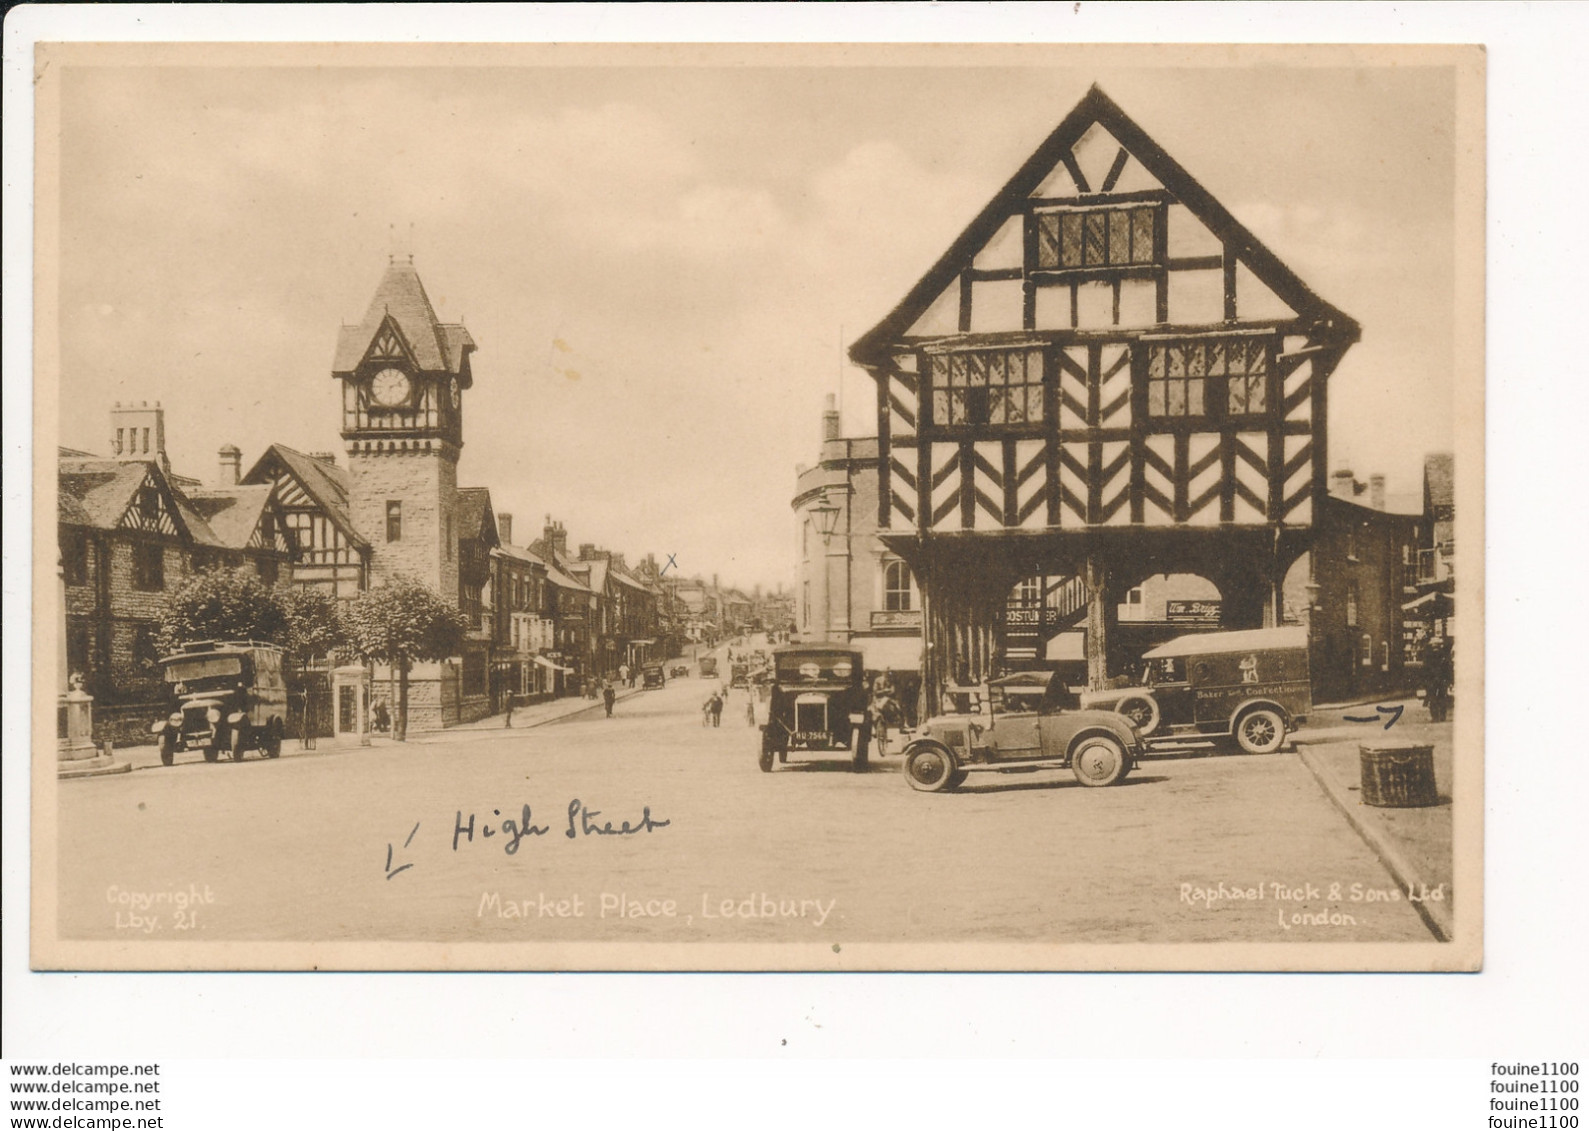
(325, 457)
(138, 432)
(555, 535)
(1342, 485)
(830, 420)
(231, 465)
(505, 527)
(587, 551)
(1376, 492)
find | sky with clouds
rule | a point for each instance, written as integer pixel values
(662, 264)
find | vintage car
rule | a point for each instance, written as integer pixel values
(708, 667)
(1249, 685)
(739, 673)
(227, 695)
(1023, 722)
(818, 702)
(652, 675)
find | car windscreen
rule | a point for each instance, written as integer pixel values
(817, 667)
(203, 667)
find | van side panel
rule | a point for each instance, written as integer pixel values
(1222, 683)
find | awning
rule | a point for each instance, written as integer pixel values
(1435, 604)
(545, 663)
(1067, 646)
(890, 653)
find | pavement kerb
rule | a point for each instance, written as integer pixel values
(1437, 920)
(530, 721)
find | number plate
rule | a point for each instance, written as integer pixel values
(811, 737)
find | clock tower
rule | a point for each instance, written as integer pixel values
(403, 373)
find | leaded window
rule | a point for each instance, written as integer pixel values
(1077, 239)
(999, 386)
(1204, 377)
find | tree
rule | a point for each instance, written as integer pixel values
(402, 623)
(314, 624)
(223, 604)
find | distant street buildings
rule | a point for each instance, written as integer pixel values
(542, 621)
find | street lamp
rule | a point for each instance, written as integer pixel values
(826, 514)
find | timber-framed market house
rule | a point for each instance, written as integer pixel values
(1105, 377)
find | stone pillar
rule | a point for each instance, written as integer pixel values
(76, 756)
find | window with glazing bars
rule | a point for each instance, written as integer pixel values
(1098, 237)
(988, 387)
(1192, 378)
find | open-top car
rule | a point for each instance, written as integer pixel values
(1250, 685)
(228, 695)
(1024, 721)
(818, 702)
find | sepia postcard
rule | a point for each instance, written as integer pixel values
(758, 507)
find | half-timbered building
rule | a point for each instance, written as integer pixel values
(131, 532)
(1105, 377)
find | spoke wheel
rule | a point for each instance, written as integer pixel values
(168, 749)
(1098, 760)
(1261, 731)
(930, 768)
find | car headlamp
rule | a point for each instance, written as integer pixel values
(175, 719)
(213, 714)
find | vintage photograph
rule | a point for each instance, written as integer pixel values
(757, 507)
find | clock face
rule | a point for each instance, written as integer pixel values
(390, 387)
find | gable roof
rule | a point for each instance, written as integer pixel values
(476, 519)
(400, 297)
(231, 514)
(325, 483)
(97, 492)
(1096, 108)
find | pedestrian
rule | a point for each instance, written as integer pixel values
(508, 719)
(623, 674)
(750, 705)
(608, 697)
(706, 712)
(717, 710)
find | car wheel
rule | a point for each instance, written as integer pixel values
(1260, 731)
(168, 748)
(236, 739)
(958, 778)
(272, 745)
(768, 749)
(930, 768)
(1142, 711)
(212, 752)
(1099, 760)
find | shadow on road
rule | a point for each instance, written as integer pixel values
(1053, 783)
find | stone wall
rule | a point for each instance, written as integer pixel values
(426, 483)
